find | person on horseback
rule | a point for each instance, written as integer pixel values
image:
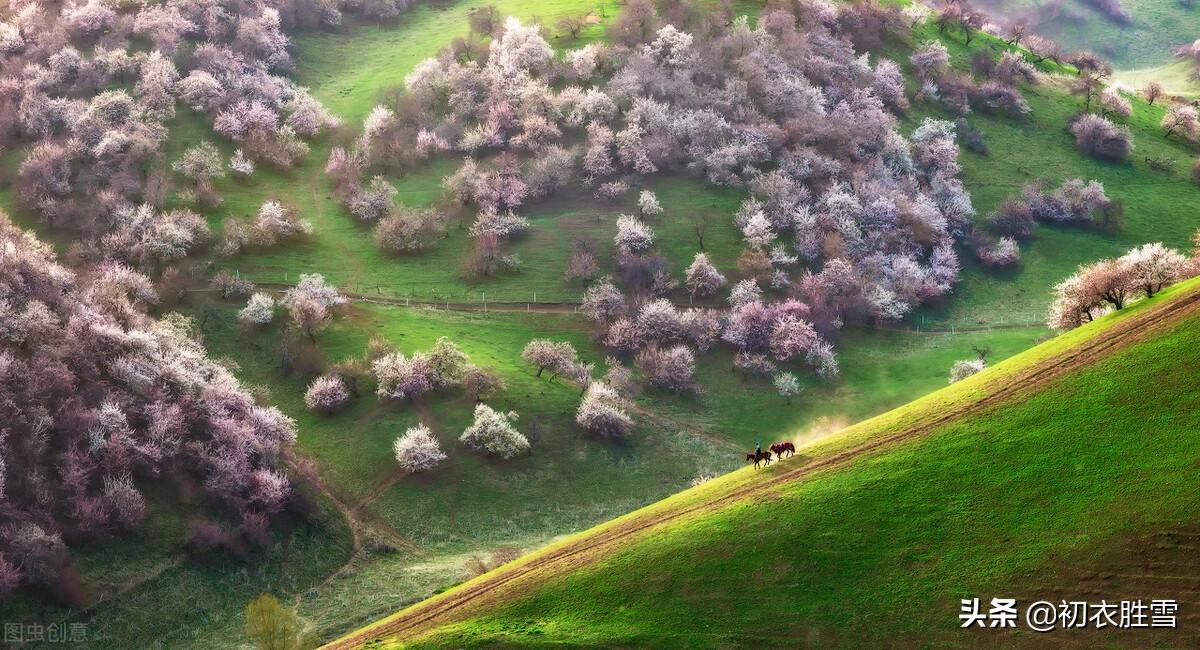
(757, 449)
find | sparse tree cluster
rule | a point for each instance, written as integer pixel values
(1075, 202)
(409, 230)
(998, 91)
(1100, 287)
(664, 340)
(442, 367)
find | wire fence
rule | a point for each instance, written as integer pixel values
(469, 300)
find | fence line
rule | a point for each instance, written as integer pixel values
(361, 293)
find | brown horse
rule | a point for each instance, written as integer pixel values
(781, 447)
(763, 457)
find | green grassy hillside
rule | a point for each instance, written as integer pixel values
(1009, 483)
(1176, 78)
(1039, 148)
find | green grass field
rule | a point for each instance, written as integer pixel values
(1176, 78)
(1158, 27)
(880, 550)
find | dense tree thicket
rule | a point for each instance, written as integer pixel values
(788, 109)
(96, 397)
(89, 88)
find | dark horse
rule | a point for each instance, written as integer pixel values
(781, 447)
(763, 457)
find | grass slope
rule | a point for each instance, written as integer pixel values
(1158, 27)
(879, 549)
(1176, 78)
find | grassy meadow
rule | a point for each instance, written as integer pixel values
(1157, 28)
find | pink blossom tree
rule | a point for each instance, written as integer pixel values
(556, 356)
(603, 412)
(703, 279)
(327, 394)
(671, 368)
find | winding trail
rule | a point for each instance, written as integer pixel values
(355, 520)
(494, 587)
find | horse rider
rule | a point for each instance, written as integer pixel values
(757, 449)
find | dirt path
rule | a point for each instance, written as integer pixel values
(493, 588)
(355, 520)
(359, 512)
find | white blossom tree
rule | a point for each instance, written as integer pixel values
(648, 205)
(275, 222)
(744, 293)
(241, 165)
(259, 310)
(494, 433)
(965, 368)
(417, 450)
(787, 385)
(633, 236)
(758, 232)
